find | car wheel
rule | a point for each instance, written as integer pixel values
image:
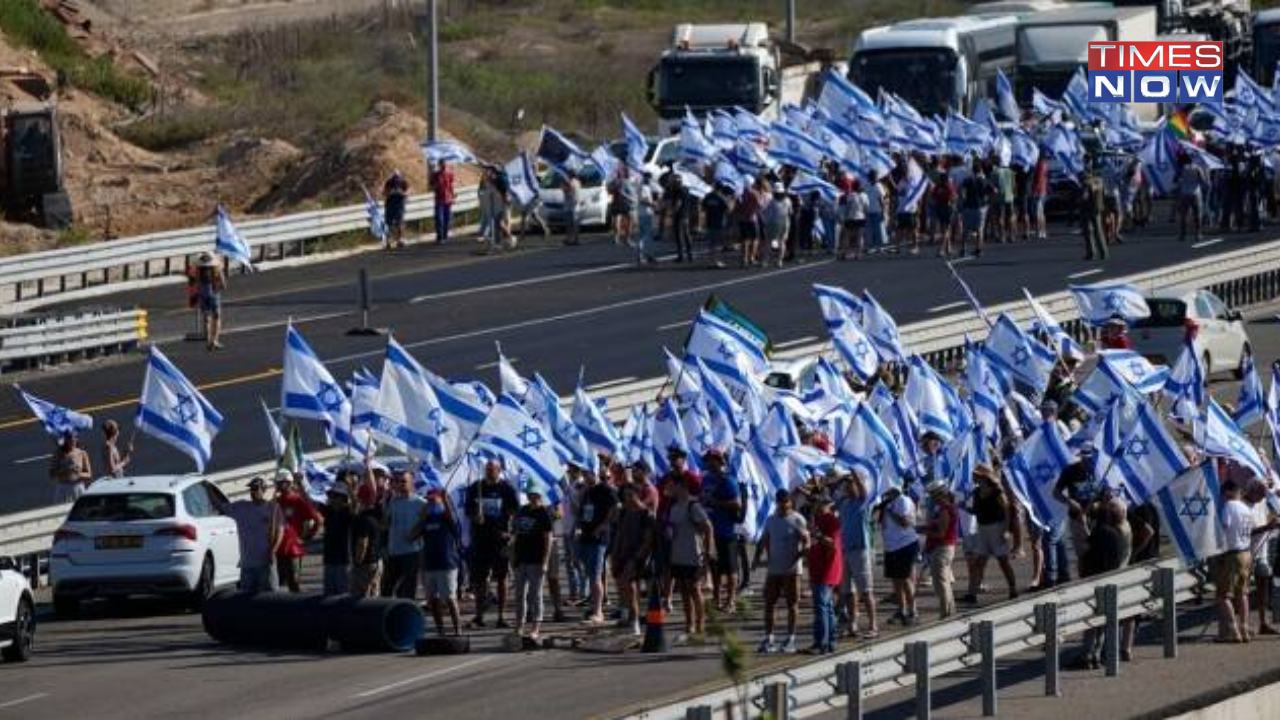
(24, 634)
(1245, 351)
(65, 607)
(204, 586)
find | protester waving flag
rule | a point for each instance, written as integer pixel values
(1024, 151)
(928, 399)
(637, 143)
(667, 434)
(755, 481)
(1099, 303)
(1190, 508)
(174, 412)
(450, 151)
(521, 180)
(987, 386)
(1251, 405)
(57, 420)
(1217, 434)
(407, 416)
(377, 223)
(523, 444)
(228, 241)
(868, 446)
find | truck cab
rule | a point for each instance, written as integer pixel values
(712, 67)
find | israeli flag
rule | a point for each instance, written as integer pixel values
(988, 386)
(363, 388)
(174, 412)
(806, 184)
(880, 326)
(725, 348)
(1063, 144)
(377, 223)
(464, 407)
(667, 433)
(897, 415)
(1066, 346)
(1201, 157)
(1076, 96)
(1018, 355)
(1034, 471)
(1103, 387)
(228, 241)
(726, 174)
(1097, 303)
(406, 415)
(1041, 104)
(1136, 370)
(723, 130)
(856, 349)
(913, 190)
(790, 146)
(845, 102)
(1024, 151)
(727, 417)
(695, 421)
(521, 181)
(693, 184)
(560, 151)
(523, 444)
(1217, 434)
(637, 143)
(838, 305)
(1143, 454)
(687, 383)
(309, 392)
(752, 477)
(278, 445)
(57, 420)
(602, 157)
(1190, 508)
(600, 434)
(750, 126)
(1005, 100)
(868, 446)
(632, 437)
(927, 397)
(1251, 406)
(750, 159)
(695, 148)
(512, 383)
(449, 151)
(543, 404)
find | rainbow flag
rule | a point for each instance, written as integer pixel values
(1179, 124)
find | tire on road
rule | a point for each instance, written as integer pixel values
(24, 634)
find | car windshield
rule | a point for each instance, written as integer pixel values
(122, 507)
(1057, 44)
(1266, 52)
(924, 78)
(1164, 313)
(709, 82)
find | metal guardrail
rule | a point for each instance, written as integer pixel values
(974, 641)
(33, 342)
(1241, 277)
(28, 281)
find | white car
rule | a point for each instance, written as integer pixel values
(17, 614)
(593, 199)
(1221, 341)
(162, 535)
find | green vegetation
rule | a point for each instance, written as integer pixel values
(26, 24)
(176, 130)
(73, 235)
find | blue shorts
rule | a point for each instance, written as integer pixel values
(591, 555)
(211, 304)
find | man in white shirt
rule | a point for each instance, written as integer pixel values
(901, 546)
(1233, 565)
(1266, 519)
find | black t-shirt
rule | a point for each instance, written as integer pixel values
(1147, 514)
(337, 535)
(716, 211)
(597, 501)
(498, 503)
(1105, 551)
(368, 528)
(533, 534)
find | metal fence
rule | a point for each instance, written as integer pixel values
(35, 279)
(28, 342)
(972, 642)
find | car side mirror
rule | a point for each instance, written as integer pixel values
(8, 563)
(1235, 315)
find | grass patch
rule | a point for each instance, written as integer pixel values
(27, 25)
(72, 236)
(175, 130)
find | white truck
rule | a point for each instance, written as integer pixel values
(1053, 45)
(722, 67)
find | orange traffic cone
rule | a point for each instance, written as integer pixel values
(655, 634)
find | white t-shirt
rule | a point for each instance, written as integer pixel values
(855, 206)
(1237, 525)
(896, 536)
(875, 199)
(1261, 516)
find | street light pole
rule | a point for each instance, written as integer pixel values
(791, 21)
(433, 74)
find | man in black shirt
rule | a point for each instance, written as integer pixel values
(1144, 524)
(338, 520)
(597, 506)
(715, 218)
(532, 551)
(366, 551)
(1105, 550)
(491, 505)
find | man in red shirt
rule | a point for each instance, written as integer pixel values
(442, 193)
(826, 563)
(301, 523)
(941, 536)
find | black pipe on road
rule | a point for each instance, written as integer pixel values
(310, 622)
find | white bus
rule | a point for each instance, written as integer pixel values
(938, 64)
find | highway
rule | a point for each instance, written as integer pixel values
(555, 310)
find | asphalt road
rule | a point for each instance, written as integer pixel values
(555, 310)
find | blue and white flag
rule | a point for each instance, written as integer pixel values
(880, 326)
(843, 101)
(968, 294)
(1044, 105)
(521, 180)
(1217, 434)
(1160, 162)
(695, 148)
(1098, 303)
(560, 151)
(633, 438)
(686, 383)
(723, 130)
(1190, 508)
(727, 417)
(754, 479)
(725, 348)
(602, 157)
(228, 241)
(913, 188)
(1024, 151)
(174, 412)
(805, 185)
(1251, 406)
(1063, 145)
(595, 428)
(1061, 341)
(464, 407)
(637, 143)
(1185, 385)
(837, 305)
(1103, 387)
(450, 151)
(278, 445)
(1143, 456)
(543, 404)
(310, 392)
(858, 352)
(523, 444)
(363, 391)
(988, 386)
(57, 420)
(1136, 370)
(1018, 355)
(511, 382)
(926, 395)
(1034, 471)
(1005, 100)
(377, 223)
(790, 146)
(868, 446)
(667, 433)
(407, 416)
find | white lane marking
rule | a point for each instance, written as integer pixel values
(27, 461)
(673, 326)
(1084, 273)
(494, 364)
(420, 678)
(611, 383)
(1206, 243)
(519, 283)
(21, 700)
(585, 312)
(965, 259)
(794, 343)
(948, 306)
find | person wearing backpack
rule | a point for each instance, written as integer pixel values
(721, 494)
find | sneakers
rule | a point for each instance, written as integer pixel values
(635, 629)
(766, 646)
(789, 647)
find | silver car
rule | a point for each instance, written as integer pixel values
(593, 199)
(1219, 334)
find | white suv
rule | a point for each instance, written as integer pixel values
(160, 535)
(17, 614)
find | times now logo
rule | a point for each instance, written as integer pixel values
(1155, 72)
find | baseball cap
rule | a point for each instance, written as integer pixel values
(257, 483)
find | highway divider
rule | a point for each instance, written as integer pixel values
(38, 279)
(1242, 277)
(33, 341)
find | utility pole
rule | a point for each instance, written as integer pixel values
(791, 21)
(433, 73)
